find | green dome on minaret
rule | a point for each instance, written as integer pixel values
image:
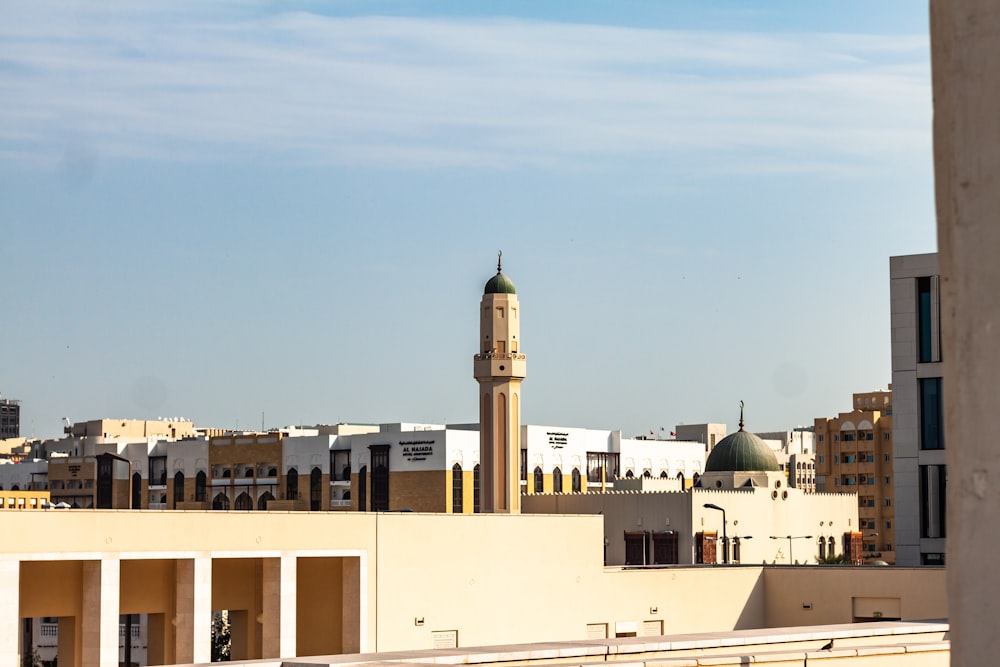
(741, 452)
(499, 284)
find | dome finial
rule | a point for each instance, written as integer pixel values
(741, 415)
(499, 255)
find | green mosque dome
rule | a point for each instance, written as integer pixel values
(499, 284)
(741, 452)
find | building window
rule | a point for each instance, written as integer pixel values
(557, 481)
(576, 488)
(456, 490)
(928, 326)
(665, 548)
(848, 437)
(888, 480)
(380, 478)
(264, 499)
(933, 483)
(244, 502)
(821, 437)
(524, 465)
(886, 435)
(158, 470)
(822, 548)
(475, 490)
(821, 459)
(136, 491)
(539, 480)
(888, 525)
(888, 458)
(315, 489)
(340, 465)
(200, 482)
(836, 437)
(932, 559)
(931, 414)
(220, 501)
(292, 484)
(602, 462)
(363, 489)
(178, 488)
(888, 503)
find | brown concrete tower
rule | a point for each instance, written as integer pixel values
(499, 368)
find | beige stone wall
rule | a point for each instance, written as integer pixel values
(491, 578)
(834, 592)
(420, 491)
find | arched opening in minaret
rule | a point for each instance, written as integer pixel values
(500, 448)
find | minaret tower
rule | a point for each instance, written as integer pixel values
(499, 368)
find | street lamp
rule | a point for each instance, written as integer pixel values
(725, 542)
(790, 538)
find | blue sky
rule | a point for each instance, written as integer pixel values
(214, 210)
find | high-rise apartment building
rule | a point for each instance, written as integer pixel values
(854, 454)
(919, 456)
(10, 418)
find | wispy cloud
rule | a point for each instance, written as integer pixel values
(185, 83)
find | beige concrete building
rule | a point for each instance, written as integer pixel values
(305, 583)
(855, 454)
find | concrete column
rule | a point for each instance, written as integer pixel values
(194, 610)
(101, 583)
(352, 608)
(279, 607)
(10, 621)
(965, 54)
(67, 649)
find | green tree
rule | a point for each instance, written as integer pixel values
(222, 638)
(834, 559)
(31, 659)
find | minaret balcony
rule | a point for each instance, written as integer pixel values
(495, 364)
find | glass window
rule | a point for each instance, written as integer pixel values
(539, 480)
(926, 326)
(576, 480)
(557, 481)
(456, 489)
(475, 490)
(931, 414)
(933, 482)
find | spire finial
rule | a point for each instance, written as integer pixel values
(741, 415)
(499, 255)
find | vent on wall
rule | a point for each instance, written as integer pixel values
(444, 639)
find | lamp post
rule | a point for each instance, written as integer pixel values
(790, 538)
(725, 542)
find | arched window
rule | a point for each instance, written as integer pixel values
(292, 484)
(272, 472)
(315, 489)
(680, 478)
(557, 481)
(264, 500)
(199, 486)
(831, 546)
(629, 474)
(647, 474)
(346, 495)
(15, 487)
(576, 481)
(736, 550)
(220, 501)
(363, 489)
(456, 489)
(244, 501)
(539, 480)
(663, 474)
(822, 548)
(227, 473)
(136, 491)
(249, 472)
(475, 490)
(178, 488)
(694, 478)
